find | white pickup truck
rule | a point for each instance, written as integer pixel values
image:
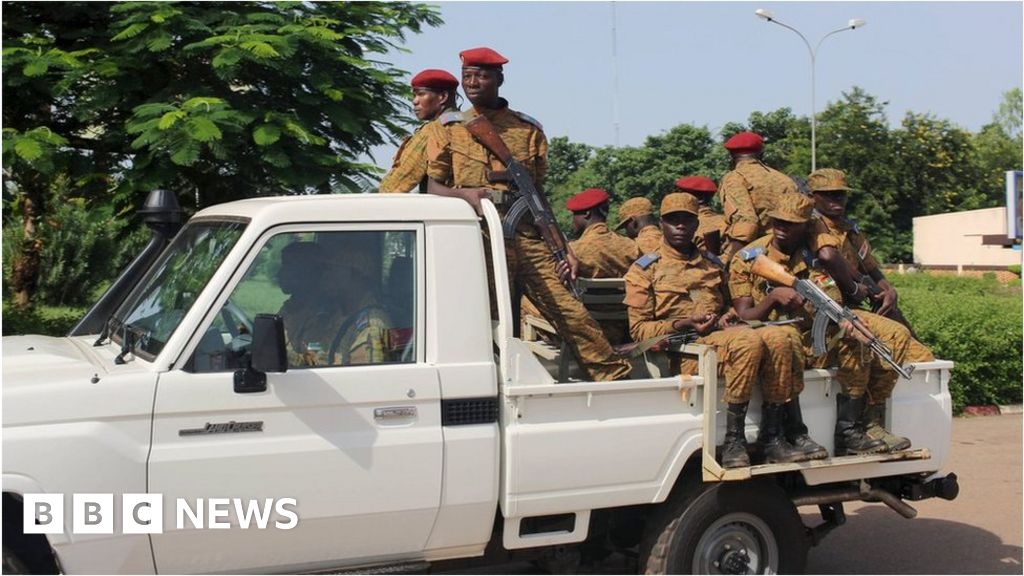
(443, 438)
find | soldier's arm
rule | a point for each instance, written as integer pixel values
(409, 166)
(643, 323)
(741, 222)
(741, 289)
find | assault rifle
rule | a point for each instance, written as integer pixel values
(659, 343)
(826, 309)
(530, 199)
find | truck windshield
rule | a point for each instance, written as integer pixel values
(156, 306)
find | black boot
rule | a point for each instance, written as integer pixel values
(873, 421)
(850, 435)
(734, 450)
(796, 432)
(773, 441)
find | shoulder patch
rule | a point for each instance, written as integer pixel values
(451, 117)
(748, 254)
(646, 260)
(714, 259)
(529, 119)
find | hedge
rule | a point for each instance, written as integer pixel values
(976, 323)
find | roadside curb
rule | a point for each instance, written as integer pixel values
(993, 410)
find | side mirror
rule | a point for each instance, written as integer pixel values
(267, 354)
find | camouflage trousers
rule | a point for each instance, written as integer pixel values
(535, 273)
(859, 371)
(772, 354)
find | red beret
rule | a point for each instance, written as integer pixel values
(482, 57)
(435, 79)
(745, 143)
(589, 198)
(697, 184)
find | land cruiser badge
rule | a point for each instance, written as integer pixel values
(231, 427)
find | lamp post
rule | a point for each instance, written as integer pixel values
(851, 25)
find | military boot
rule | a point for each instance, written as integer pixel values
(777, 450)
(734, 450)
(796, 432)
(872, 420)
(850, 435)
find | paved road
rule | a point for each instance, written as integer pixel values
(978, 533)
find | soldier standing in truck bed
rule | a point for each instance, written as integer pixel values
(433, 92)
(636, 218)
(749, 191)
(458, 165)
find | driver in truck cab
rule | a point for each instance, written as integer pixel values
(680, 287)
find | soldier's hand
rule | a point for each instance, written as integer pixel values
(861, 292)
(568, 268)
(852, 332)
(787, 298)
(474, 196)
(728, 319)
(887, 297)
(704, 324)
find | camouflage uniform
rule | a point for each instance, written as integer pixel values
(603, 253)
(845, 236)
(364, 339)
(409, 168)
(857, 366)
(710, 221)
(748, 192)
(309, 332)
(649, 239)
(455, 158)
(665, 286)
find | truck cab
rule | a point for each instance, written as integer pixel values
(337, 354)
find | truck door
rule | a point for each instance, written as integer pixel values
(351, 432)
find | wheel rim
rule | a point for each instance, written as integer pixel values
(737, 543)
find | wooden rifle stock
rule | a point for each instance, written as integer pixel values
(769, 269)
(482, 129)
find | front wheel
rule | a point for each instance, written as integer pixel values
(730, 528)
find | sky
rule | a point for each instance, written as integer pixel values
(708, 63)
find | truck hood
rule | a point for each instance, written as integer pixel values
(47, 379)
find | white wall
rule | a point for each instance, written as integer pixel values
(955, 238)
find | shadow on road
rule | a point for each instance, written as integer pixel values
(875, 540)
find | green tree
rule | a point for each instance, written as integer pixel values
(214, 101)
(1008, 117)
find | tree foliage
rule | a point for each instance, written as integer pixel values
(214, 101)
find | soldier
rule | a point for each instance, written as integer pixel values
(601, 252)
(846, 254)
(308, 324)
(459, 166)
(636, 216)
(749, 191)
(755, 299)
(433, 92)
(365, 336)
(712, 224)
(679, 287)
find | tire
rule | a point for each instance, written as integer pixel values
(728, 528)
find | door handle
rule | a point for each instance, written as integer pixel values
(394, 412)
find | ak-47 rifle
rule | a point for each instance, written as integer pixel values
(826, 309)
(530, 199)
(659, 343)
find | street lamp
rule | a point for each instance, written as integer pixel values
(853, 24)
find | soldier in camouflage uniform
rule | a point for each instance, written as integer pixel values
(365, 336)
(749, 191)
(712, 224)
(845, 252)
(459, 166)
(433, 93)
(636, 217)
(309, 325)
(679, 287)
(601, 252)
(756, 299)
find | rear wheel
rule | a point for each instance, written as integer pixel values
(729, 528)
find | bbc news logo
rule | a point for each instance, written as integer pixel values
(144, 513)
